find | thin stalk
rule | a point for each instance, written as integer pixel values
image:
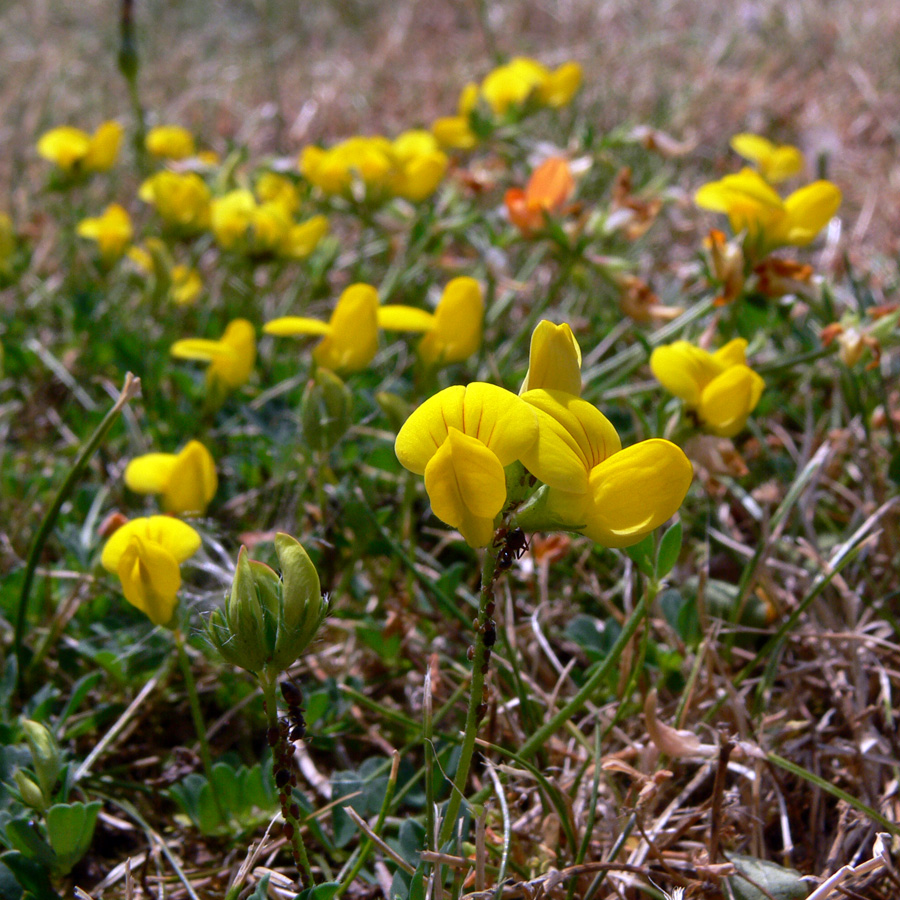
(130, 389)
(199, 722)
(476, 696)
(295, 838)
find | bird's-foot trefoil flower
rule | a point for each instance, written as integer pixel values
(112, 232)
(187, 480)
(547, 192)
(182, 200)
(554, 361)
(146, 554)
(170, 142)
(612, 495)
(231, 358)
(452, 331)
(76, 153)
(349, 338)
(268, 621)
(776, 162)
(719, 388)
(755, 209)
(461, 440)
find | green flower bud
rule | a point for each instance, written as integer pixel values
(325, 410)
(268, 621)
(32, 795)
(45, 755)
(395, 408)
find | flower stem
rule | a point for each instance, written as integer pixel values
(476, 694)
(199, 723)
(281, 749)
(130, 389)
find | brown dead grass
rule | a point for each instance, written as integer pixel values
(275, 75)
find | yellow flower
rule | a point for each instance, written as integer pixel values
(181, 283)
(418, 165)
(452, 332)
(460, 440)
(231, 358)
(187, 480)
(719, 387)
(349, 338)
(754, 207)
(146, 554)
(274, 188)
(186, 285)
(112, 231)
(170, 142)
(613, 496)
(456, 131)
(521, 78)
(548, 190)
(410, 166)
(554, 362)
(230, 217)
(77, 152)
(775, 162)
(182, 199)
(303, 237)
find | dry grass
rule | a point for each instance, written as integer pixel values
(277, 75)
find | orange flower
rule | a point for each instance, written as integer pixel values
(550, 186)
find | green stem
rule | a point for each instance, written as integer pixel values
(476, 695)
(130, 389)
(199, 722)
(296, 838)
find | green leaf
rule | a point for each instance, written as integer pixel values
(320, 892)
(70, 829)
(780, 883)
(669, 550)
(25, 838)
(681, 614)
(32, 876)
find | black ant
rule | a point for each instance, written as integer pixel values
(293, 697)
(512, 544)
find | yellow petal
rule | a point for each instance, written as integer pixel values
(150, 473)
(467, 486)
(729, 399)
(776, 163)
(554, 362)
(405, 318)
(734, 353)
(683, 370)
(561, 85)
(192, 483)
(304, 237)
(104, 147)
(64, 146)
(200, 349)
(290, 326)
(172, 534)
(496, 417)
(574, 437)
(458, 323)
(150, 579)
(809, 210)
(352, 339)
(635, 491)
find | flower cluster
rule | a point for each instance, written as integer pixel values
(463, 440)
(375, 168)
(506, 92)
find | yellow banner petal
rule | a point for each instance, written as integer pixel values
(405, 318)
(729, 399)
(149, 474)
